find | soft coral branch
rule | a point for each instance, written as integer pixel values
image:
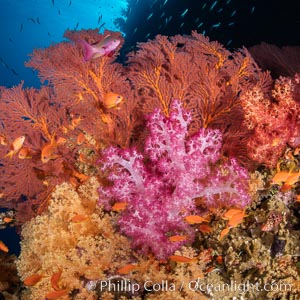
(160, 186)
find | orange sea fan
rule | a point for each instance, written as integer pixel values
(206, 77)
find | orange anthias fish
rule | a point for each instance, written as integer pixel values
(61, 141)
(80, 139)
(55, 279)
(16, 146)
(111, 100)
(127, 269)
(204, 228)
(32, 279)
(192, 219)
(24, 153)
(106, 47)
(289, 179)
(182, 259)
(3, 247)
(235, 217)
(3, 140)
(280, 177)
(231, 212)
(119, 206)
(293, 178)
(79, 218)
(224, 232)
(56, 294)
(178, 238)
(219, 259)
(236, 220)
(48, 151)
(7, 220)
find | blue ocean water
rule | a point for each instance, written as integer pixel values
(30, 24)
(26, 25)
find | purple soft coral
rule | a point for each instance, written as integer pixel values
(160, 192)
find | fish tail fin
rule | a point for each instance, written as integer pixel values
(88, 50)
(10, 154)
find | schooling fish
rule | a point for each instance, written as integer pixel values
(106, 47)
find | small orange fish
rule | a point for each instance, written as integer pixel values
(127, 269)
(80, 138)
(55, 279)
(7, 220)
(61, 141)
(285, 187)
(119, 206)
(276, 142)
(192, 219)
(219, 259)
(280, 177)
(3, 247)
(178, 238)
(112, 100)
(298, 198)
(182, 259)
(231, 212)
(56, 294)
(48, 151)
(79, 218)
(32, 279)
(24, 153)
(224, 232)
(236, 219)
(3, 140)
(204, 228)
(16, 146)
(293, 178)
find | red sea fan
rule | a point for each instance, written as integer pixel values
(29, 113)
(204, 75)
(81, 86)
(161, 185)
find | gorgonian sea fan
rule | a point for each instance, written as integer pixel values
(160, 185)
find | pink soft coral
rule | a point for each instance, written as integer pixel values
(161, 185)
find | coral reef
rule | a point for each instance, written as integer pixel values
(192, 152)
(273, 118)
(161, 192)
(64, 124)
(9, 279)
(83, 250)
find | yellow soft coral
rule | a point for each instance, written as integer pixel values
(84, 250)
